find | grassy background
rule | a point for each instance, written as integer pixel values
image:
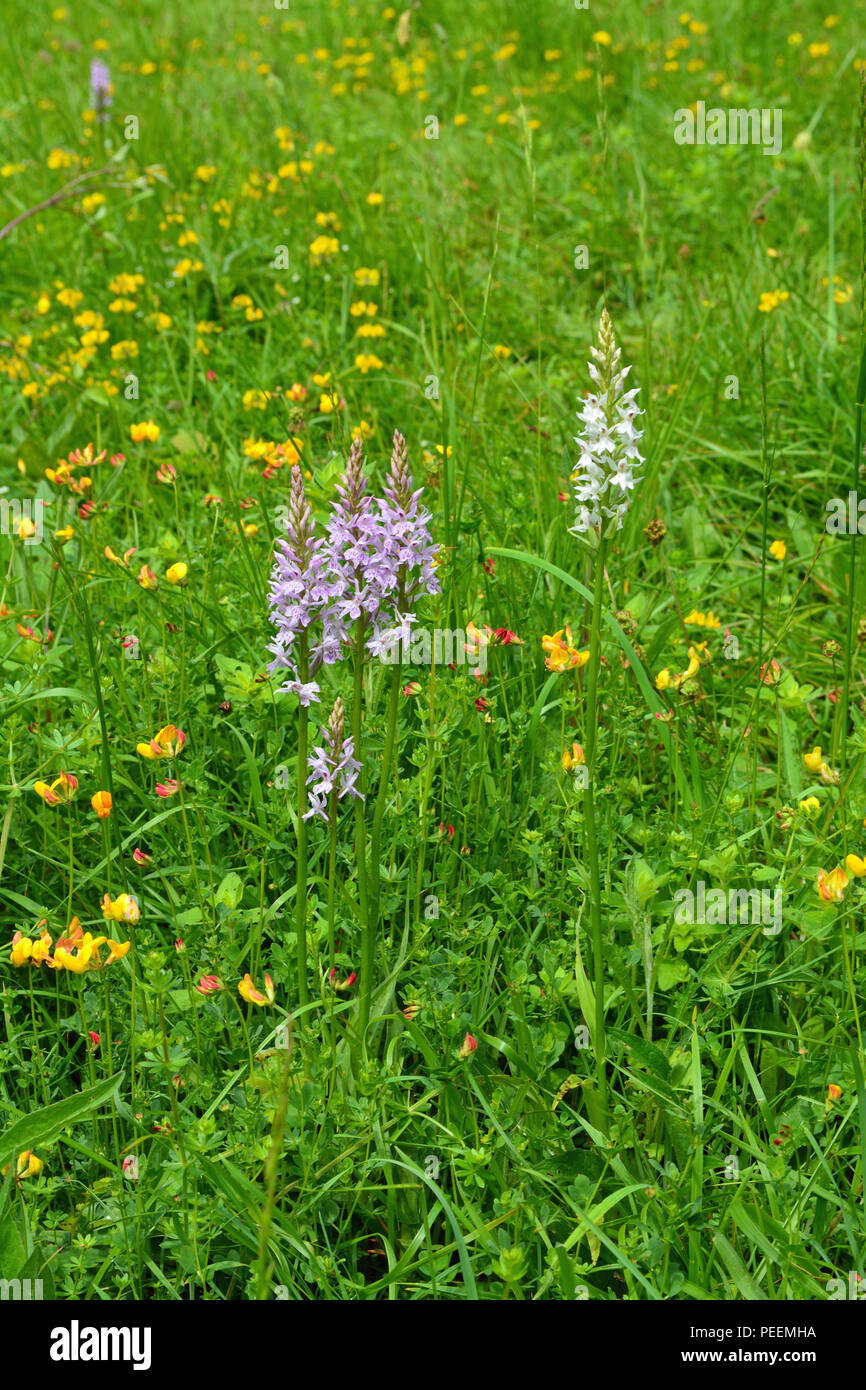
(423, 1175)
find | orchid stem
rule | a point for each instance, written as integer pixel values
(382, 795)
(301, 867)
(591, 837)
(368, 945)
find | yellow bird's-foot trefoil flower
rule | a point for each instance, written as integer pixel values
(167, 743)
(248, 991)
(22, 949)
(79, 956)
(58, 792)
(122, 909)
(573, 759)
(815, 763)
(116, 950)
(698, 654)
(561, 655)
(27, 1165)
(832, 886)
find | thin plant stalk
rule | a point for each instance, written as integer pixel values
(301, 873)
(272, 1163)
(382, 795)
(591, 836)
(368, 945)
(332, 887)
(332, 880)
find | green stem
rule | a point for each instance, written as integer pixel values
(332, 947)
(332, 881)
(37, 1051)
(591, 837)
(301, 873)
(272, 1164)
(382, 796)
(77, 987)
(367, 941)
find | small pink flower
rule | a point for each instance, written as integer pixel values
(94, 1041)
(169, 788)
(469, 1045)
(130, 1167)
(771, 673)
(209, 984)
(140, 857)
(179, 946)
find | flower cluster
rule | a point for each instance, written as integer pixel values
(354, 543)
(560, 655)
(77, 951)
(815, 763)
(609, 454)
(698, 619)
(64, 788)
(831, 886)
(666, 680)
(248, 991)
(362, 569)
(405, 537)
(59, 791)
(303, 587)
(166, 743)
(123, 908)
(100, 88)
(333, 767)
(212, 984)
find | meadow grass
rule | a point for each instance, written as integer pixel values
(533, 1073)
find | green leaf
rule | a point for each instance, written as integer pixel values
(230, 891)
(13, 1256)
(646, 1054)
(670, 973)
(45, 1125)
(585, 993)
(744, 1282)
